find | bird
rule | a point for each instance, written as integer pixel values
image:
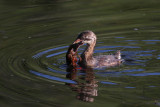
(87, 59)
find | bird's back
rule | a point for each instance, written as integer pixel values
(107, 60)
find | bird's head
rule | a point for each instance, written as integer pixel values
(86, 37)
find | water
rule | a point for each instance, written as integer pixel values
(34, 37)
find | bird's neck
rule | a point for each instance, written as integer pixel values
(87, 55)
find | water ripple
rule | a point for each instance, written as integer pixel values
(46, 51)
(117, 47)
(145, 74)
(110, 83)
(53, 77)
(58, 53)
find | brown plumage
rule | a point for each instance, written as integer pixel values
(87, 59)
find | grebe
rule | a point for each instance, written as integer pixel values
(87, 59)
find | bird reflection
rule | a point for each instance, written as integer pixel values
(86, 86)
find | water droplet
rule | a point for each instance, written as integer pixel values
(136, 29)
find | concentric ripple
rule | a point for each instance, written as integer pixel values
(51, 63)
(48, 66)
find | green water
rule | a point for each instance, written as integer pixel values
(34, 35)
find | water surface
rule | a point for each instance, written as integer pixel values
(35, 35)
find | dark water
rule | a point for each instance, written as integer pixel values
(34, 37)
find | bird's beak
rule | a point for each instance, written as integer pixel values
(77, 41)
(75, 45)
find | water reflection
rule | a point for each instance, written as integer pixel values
(86, 86)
